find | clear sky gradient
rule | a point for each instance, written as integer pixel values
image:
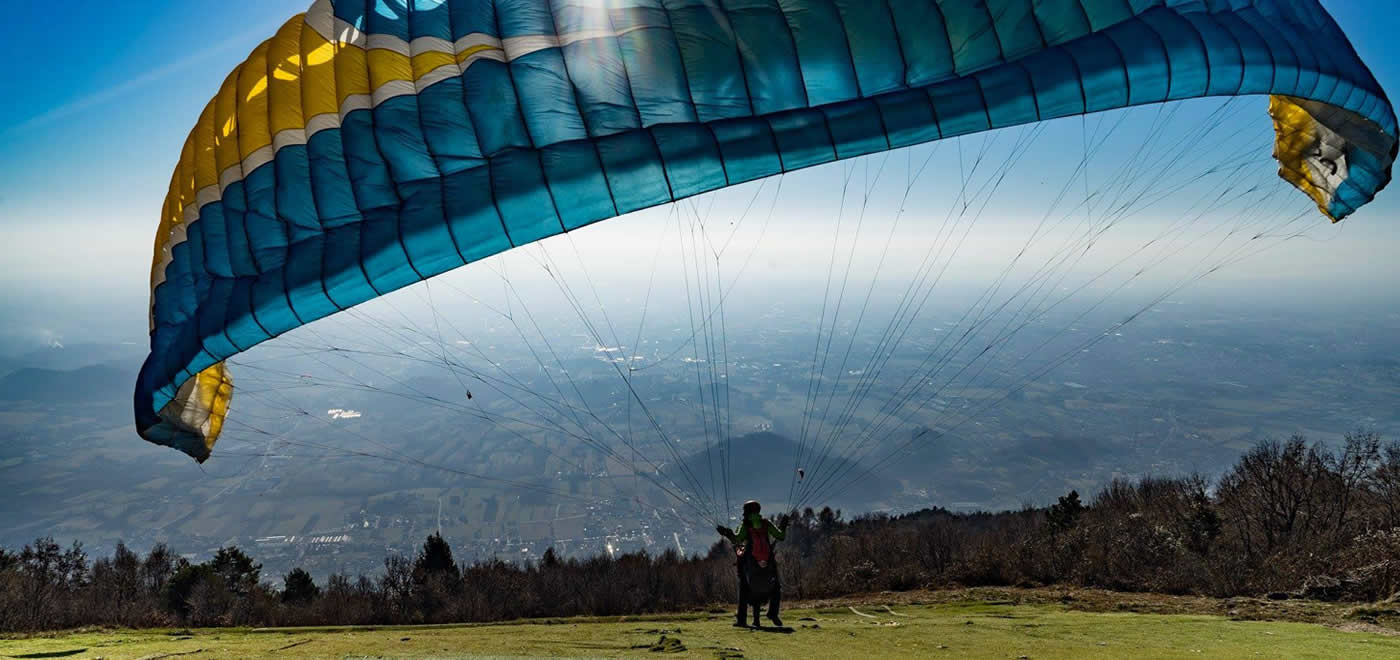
(100, 97)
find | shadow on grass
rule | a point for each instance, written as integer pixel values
(50, 654)
(785, 630)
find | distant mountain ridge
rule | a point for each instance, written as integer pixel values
(761, 468)
(75, 356)
(96, 383)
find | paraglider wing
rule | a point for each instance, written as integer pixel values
(369, 145)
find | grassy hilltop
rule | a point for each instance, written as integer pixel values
(955, 624)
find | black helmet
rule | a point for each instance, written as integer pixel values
(752, 506)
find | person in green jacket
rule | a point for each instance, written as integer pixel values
(756, 561)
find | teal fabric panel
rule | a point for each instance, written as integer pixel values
(585, 112)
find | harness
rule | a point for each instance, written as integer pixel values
(760, 547)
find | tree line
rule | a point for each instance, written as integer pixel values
(1288, 519)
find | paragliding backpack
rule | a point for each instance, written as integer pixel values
(761, 579)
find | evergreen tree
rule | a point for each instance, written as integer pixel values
(435, 559)
(550, 559)
(1064, 514)
(298, 587)
(237, 569)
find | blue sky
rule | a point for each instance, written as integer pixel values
(100, 96)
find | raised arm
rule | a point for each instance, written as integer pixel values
(774, 531)
(727, 533)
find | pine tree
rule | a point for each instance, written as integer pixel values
(1064, 514)
(435, 559)
(298, 587)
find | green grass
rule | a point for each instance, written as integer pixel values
(950, 630)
